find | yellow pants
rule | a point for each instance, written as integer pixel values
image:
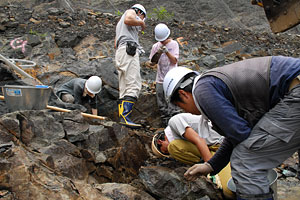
(186, 152)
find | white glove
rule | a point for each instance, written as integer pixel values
(196, 170)
(142, 52)
(162, 49)
(165, 49)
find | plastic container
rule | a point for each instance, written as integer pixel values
(272, 177)
(26, 97)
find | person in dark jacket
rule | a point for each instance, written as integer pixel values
(81, 91)
(255, 104)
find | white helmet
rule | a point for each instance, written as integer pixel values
(94, 84)
(173, 80)
(162, 32)
(140, 7)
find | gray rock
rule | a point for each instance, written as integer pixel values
(170, 184)
(123, 191)
(209, 61)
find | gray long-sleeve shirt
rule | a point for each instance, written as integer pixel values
(75, 87)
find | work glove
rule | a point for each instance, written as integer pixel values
(196, 170)
(162, 49)
(142, 52)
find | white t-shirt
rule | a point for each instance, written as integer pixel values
(178, 123)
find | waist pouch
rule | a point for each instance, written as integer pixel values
(131, 48)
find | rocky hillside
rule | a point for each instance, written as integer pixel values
(56, 155)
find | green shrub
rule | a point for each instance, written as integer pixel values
(161, 14)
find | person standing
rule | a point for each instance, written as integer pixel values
(165, 54)
(81, 91)
(127, 61)
(255, 104)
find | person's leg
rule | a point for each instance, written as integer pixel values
(122, 64)
(273, 139)
(184, 151)
(130, 82)
(167, 110)
(161, 103)
(129, 85)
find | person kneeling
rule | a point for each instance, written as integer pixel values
(81, 91)
(183, 141)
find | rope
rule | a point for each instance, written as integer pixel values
(231, 14)
(113, 6)
(196, 8)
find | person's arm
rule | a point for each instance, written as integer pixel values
(78, 88)
(155, 58)
(219, 109)
(194, 138)
(171, 57)
(222, 157)
(214, 165)
(131, 20)
(94, 104)
(217, 104)
(173, 54)
(155, 54)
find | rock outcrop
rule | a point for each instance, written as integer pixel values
(52, 155)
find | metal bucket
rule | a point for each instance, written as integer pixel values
(272, 177)
(26, 97)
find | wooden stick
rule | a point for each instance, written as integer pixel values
(66, 110)
(83, 114)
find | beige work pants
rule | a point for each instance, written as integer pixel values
(128, 67)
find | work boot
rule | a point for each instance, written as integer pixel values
(125, 110)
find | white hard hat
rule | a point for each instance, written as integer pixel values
(140, 7)
(162, 32)
(155, 148)
(94, 84)
(173, 79)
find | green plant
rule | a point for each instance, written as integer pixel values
(119, 13)
(33, 32)
(161, 14)
(37, 33)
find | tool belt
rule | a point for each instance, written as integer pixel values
(294, 83)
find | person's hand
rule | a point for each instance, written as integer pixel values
(196, 170)
(165, 49)
(162, 49)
